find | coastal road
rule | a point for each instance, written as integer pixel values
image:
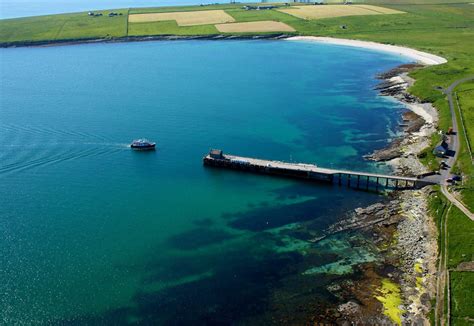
(454, 145)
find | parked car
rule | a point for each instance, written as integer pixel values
(456, 178)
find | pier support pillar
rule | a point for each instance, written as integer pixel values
(340, 176)
(367, 185)
(396, 184)
(358, 181)
(377, 184)
(349, 180)
(386, 182)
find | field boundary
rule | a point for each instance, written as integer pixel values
(469, 148)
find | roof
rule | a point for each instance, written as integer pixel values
(440, 148)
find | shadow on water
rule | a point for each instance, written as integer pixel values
(238, 289)
(323, 209)
(244, 281)
(248, 286)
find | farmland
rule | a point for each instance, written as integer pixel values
(184, 18)
(320, 12)
(260, 26)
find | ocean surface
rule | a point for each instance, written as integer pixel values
(23, 8)
(94, 233)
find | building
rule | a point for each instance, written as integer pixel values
(216, 153)
(441, 149)
(259, 7)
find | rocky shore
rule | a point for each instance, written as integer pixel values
(398, 289)
(212, 37)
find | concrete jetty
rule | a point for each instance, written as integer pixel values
(357, 179)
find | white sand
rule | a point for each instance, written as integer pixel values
(421, 57)
(425, 110)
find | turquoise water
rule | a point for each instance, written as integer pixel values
(95, 233)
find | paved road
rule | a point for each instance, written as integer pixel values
(454, 146)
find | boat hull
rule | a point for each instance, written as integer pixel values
(143, 148)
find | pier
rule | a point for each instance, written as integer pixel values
(356, 179)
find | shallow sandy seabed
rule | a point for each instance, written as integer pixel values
(419, 56)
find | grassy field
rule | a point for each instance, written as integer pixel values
(462, 284)
(320, 12)
(184, 18)
(460, 238)
(66, 26)
(460, 249)
(170, 28)
(464, 95)
(260, 26)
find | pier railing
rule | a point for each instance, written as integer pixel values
(356, 179)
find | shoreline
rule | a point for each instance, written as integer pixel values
(415, 263)
(400, 226)
(144, 38)
(421, 57)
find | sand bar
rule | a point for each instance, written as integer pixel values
(419, 56)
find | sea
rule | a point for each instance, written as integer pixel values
(93, 233)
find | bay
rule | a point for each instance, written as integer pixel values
(95, 233)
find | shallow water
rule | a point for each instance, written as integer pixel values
(96, 233)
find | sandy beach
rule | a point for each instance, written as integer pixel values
(418, 56)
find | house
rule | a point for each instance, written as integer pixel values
(259, 7)
(441, 149)
(94, 14)
(216, 153)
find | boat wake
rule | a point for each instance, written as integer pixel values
(23, 148)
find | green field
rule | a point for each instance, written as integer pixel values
(460, 238)
(465, 98)
(462, 284)
(63, 27)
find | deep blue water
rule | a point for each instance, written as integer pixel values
(95, 233)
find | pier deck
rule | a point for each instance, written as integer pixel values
(313, 172)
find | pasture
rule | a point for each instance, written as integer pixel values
(185, 18)
(259, 26)
(332, 11)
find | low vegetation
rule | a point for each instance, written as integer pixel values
(184, 18)
(462, 284)
(464, 97)
(319, 12)
(260, 26)
(64, 27)
(460, 238)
